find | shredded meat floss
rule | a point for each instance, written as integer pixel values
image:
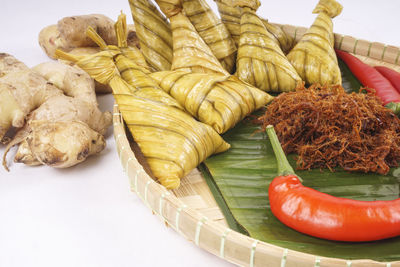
(329, 128)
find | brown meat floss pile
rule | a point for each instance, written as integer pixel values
(327, 128)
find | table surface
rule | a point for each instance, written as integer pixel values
(86, 215)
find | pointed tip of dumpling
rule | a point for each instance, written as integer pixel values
(331, 7)
(224, 146)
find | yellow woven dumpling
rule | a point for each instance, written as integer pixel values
(154, 34)
(212, 30)
(172, 142)
(314, 56)
(260, 60)
(190, 52)
(217, 100)
(230, 16)
(130, 63)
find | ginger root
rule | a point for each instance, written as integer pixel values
(9, 64)
(21, 91)
(70, 33)
(59, 144)
(63, 122)
(65, 108)
(73, 81)
(60, 110)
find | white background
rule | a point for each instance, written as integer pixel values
(86, 215)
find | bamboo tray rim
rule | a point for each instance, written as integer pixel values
(215, 237)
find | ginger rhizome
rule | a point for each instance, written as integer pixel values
(69, 33)
(54, 111)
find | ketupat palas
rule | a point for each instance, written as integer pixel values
(230, 16)
(154, 34)
(122, 47)
(314, 56)
(172, 142)
(217, 100)
(143, 85)
(212, 30)
(285, 41)
(130, 64)
(135, 71)
(260, 60)
(190, 52)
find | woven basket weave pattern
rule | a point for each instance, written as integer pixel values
(192, 211)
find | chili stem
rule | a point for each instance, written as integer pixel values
(284, 167)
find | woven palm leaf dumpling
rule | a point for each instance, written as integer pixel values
(314, 56)
(260, 60)
(171, 140)
(230, 16)
(190, 52)
(132, 65)
(217, 100)
(197, 85)
(154, 34)
(212, 31)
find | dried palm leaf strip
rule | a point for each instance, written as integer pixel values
(131, 52)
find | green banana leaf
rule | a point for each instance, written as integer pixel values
(242, 176)
(349, 82)
(239, 180)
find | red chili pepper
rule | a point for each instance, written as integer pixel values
(371, 78)
(321, 215)
(390, 74)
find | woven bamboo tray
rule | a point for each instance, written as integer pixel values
(191, 209)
